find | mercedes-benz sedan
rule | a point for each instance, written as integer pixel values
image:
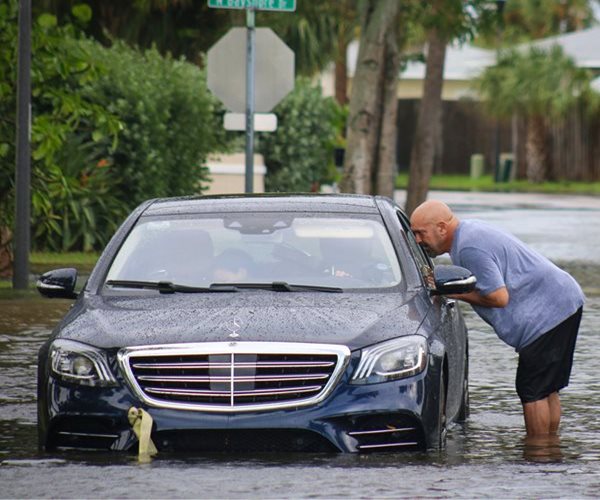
(258, 323)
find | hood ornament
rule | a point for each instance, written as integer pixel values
(233, 326)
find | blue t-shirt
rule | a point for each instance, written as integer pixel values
(541, 296)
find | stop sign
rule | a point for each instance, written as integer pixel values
(274, 70)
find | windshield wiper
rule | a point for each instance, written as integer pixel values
(169, 287)
(278, 286)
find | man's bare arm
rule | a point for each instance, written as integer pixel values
(497, 298)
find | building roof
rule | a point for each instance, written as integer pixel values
(465, 62)
(583, 46)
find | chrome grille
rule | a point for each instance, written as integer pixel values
(237, 376)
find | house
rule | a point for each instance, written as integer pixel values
(228, 173)
(469, 130)
(465, 62)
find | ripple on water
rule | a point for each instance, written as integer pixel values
(486, 457)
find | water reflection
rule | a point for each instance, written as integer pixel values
(542, 449)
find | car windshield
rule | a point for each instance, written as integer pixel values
(259, 248)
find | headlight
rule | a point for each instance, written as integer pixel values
(398, 358)
(80, 364)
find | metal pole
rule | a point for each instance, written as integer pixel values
(23, 156)
(498, 174)
(250, 50)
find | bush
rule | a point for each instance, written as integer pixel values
(61, 70)
(169, 122)
(299, 154)
(111, 127)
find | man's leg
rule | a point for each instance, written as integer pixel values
(542, 416)
(537, 417)
(555, 411)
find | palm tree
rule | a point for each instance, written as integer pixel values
(539, 85)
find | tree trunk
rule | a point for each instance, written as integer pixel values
(364, 120)
(536, 149)
(428, 122)
(6, 256)
(386, 156)
(341, 72)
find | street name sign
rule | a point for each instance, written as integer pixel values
(280, 5)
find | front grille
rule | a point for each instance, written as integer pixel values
(237, 376)
(243, 441)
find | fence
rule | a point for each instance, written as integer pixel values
(573, 143)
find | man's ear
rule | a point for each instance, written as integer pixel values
(442, 228)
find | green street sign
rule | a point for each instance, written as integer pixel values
(283, 5)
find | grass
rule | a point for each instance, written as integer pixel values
(40, 262)
(48, 260)
(486, 183)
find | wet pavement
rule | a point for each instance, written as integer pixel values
(487, 457)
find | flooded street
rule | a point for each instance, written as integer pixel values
(485, 457)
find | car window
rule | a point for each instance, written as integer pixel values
(423, 260)
(321, 250)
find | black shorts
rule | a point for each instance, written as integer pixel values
(545, 364)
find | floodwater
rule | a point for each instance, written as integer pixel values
(486, 457)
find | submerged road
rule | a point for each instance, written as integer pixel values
(487, 457)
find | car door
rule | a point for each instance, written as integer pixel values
(452, 329)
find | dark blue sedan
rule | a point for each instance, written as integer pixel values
(257, 323)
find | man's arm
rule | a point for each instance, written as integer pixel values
(497, 298)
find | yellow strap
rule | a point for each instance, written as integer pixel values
(141, 421)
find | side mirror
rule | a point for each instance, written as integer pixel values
(58, 283)
(453, 279)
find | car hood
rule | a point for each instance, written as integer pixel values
(352, 319)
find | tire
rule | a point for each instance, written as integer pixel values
(443, 419)
(465, 405)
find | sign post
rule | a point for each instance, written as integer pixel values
(23, 152)
(223, 80)
(250, 47)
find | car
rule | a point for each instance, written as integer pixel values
(308, 322)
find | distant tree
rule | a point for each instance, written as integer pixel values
(370, 97)
(539, 85)
(179, 27)
(533, 19)
(442, 21)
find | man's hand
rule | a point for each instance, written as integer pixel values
(497, 298)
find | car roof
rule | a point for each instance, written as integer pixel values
(337, 203)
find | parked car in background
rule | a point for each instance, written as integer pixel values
(258, 323)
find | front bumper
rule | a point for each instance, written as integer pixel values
(389, 416)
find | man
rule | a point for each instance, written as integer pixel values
(532, 305)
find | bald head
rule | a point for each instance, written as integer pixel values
(434, 224)
(432, 211)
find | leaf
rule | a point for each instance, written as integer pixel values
(82, 12)
(47, 21)
(97, 135)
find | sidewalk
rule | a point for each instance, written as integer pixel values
(472, 199)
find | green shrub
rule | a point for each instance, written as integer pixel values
(169, 122)
(110, 128)
(61, 111)
(299, 154)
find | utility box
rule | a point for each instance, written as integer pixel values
(477, 166)
(506, 167)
